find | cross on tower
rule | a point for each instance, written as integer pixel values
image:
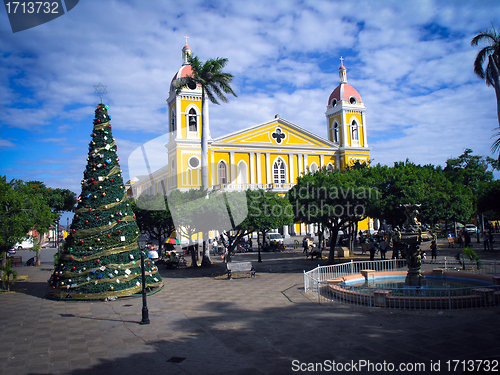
(186, 36)
(100, 90)
(341, 61)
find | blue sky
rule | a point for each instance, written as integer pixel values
(411, 62)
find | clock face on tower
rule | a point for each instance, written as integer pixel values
(192, 85)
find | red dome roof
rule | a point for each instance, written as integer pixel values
(184, 71)
(343, 92)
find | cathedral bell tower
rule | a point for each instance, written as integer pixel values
(345, 120)
(184, 108)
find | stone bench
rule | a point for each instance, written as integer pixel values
(239, 267)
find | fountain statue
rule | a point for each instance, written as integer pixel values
(410, 238)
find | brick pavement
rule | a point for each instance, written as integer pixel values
(204, 324)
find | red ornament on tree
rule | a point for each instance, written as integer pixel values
(98, 261)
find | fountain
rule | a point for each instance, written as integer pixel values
(376, 283)
(409, 239)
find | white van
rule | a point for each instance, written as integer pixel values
(275, 237)
(25, 245)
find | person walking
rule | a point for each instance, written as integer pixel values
(372, 249)
(215, 245)
(383, 248)
(434, 251)
(467, 240)
(486, 242)
(305, 244)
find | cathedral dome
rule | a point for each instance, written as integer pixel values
(184, 71)
(344, 91)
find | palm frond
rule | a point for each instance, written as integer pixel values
(496, 145)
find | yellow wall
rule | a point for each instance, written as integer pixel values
(185, 103)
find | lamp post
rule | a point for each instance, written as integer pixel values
(142, 241)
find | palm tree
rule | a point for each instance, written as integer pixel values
(214, 84)
(491, 53)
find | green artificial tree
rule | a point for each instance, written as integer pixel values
(101, 257)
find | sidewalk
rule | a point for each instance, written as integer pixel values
(204, 324)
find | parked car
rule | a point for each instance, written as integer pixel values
(471, 228)
(25, 245)
(272, 237)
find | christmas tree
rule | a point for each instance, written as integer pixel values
(101, 257)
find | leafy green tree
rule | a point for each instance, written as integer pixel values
(45, 207)
(266, 211)
(14, 218)
(408, 183)
(332, 199)
(488, 201)
(490, 53)
(154, 217)
(194, 213)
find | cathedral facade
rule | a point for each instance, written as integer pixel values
(266, 156)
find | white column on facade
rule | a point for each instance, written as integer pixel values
(291, 177)
(322, 161)
(213, 168)
(337, 160)
(299, 163)
(178, 117)
(232, 178)
(252, 167)
(285, 231)
(259, 174)
(306, 164)
(268, 168)
(345, 143)
(365, 138)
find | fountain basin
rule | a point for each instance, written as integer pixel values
(465, 291)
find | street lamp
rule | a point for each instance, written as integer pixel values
(142, 241)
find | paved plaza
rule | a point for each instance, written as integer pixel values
(202, 323)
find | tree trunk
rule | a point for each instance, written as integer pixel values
(334, 231)
(192, 250)
(205, 261)
(496, 81)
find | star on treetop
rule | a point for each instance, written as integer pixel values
(100, 90)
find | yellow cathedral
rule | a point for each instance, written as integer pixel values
(266, 156)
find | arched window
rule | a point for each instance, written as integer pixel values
(336, 132)
(279, 172)
(241, 177)
(222, 173)
(313, 168)
(193, 120)
(172, 121)
(329, 167)
(354, 131)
